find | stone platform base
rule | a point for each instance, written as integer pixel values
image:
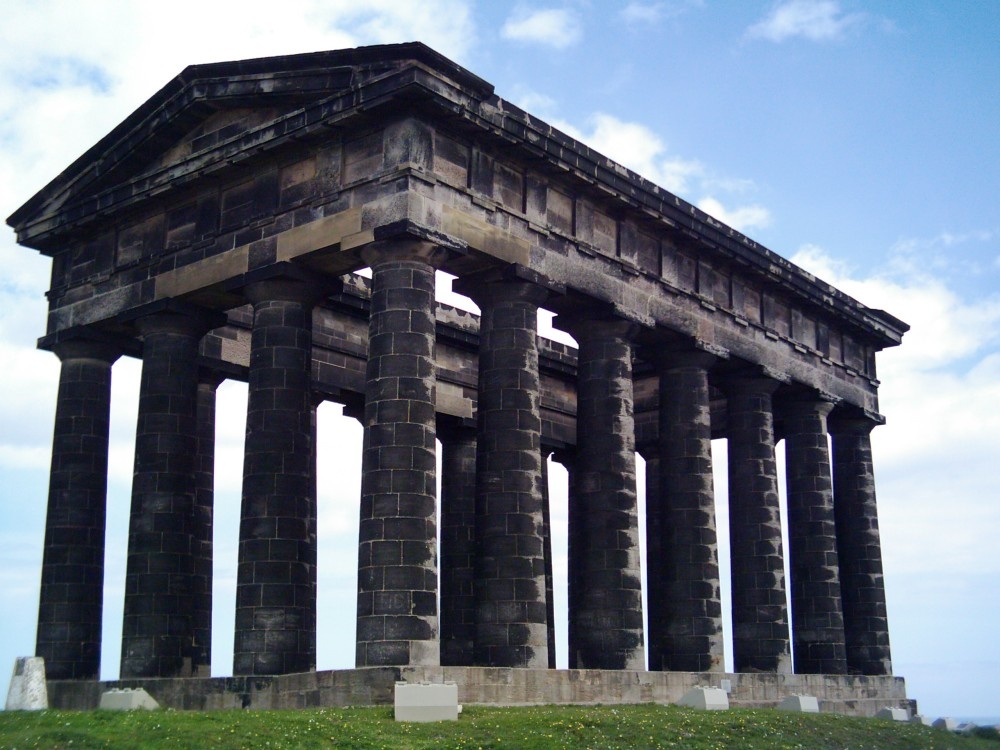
(858, 696)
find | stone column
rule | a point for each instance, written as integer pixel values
(158, 630)
(275, 603)
(760, 612)
(866, 627)
(511, 619)
(458, 543)
(607, 608)
(817, 619)
(72, 591)
(685, 621)
(397, 568)
(202, 527)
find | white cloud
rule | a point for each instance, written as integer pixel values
(640, 149)
(642, 13)
(645, 14)
(555, 27)
(742, 218)
(816, 20)
(531, 101)
(637, 147)
(938, 449)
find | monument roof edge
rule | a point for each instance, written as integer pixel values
(181, 91)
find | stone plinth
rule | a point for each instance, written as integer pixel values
(856, 696)
(424, 702)
(27, 691)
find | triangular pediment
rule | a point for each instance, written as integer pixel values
(215, 129)
(205, 107)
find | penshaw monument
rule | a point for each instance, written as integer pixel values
(216, 234)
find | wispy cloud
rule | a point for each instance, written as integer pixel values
(743, 218)
(639, 148)
(553, 27)
(645, 14)
(642, 13)
(934, 388)
(815, 20)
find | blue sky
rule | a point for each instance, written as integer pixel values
(857, 139)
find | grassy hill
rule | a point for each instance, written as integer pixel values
(646, 726)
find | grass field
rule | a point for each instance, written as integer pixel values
(645, 726)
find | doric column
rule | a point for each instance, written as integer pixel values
(866, 627)
(607, 608)
(158, 630)
(817, 620)
(397, 568)
(685, 618)
(511, 619)
(458, 543)
(72, 592)
(760, 612)
(202, 528)
(275, 602)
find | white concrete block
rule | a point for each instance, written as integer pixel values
(705, 698)
(945, 722)
(426, 702)
(803, 704)
(967, 727)
(127, 699)
(893, 714)
(921, 719)
(27, 691)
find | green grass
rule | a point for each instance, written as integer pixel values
(646, 726)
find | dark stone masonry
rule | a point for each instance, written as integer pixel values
(217, 233)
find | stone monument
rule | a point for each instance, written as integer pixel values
(216, 233)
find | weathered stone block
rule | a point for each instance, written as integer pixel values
(705, 698)
(805, 704)
(128, 699)
(424, 702)
(893, 714)
(27, 691)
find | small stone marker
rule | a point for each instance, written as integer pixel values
(921, 719)
(803, 704)
(426, 702)
(127, 699)
(705, 698)
(27, 690)
(893, 714)
(945, 722)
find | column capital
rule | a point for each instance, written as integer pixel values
(450, 428)
(849, 421)
(763, 381)
(287, 282)
(589, 327)
(405, 249)
(807, 404)
(669, 356)
(513, 282)
(83, 343)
